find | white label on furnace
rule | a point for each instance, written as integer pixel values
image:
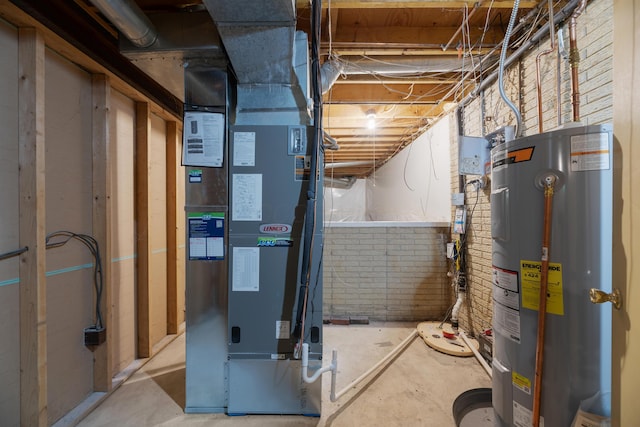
(522, 416)
(283, 329)
(590, 152)
(246, 197)
(244, 149)
(246, 270)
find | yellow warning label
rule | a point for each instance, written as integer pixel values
(521, 382)
(530, 273)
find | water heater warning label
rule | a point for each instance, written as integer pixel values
(590, 152)
(506, 307)
(530, 271)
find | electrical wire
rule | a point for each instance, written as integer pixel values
(92, 244)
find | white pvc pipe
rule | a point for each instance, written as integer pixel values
(335, 396)
(483, 362)
(333, 367)
(456, 307)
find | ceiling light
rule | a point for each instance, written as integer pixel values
(371, 119)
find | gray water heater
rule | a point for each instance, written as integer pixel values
(577, 356)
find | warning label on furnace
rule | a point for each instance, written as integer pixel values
(530, 272)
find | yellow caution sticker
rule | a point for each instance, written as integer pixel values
(530, 274)
(521, 382)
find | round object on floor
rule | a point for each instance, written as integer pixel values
(473, 408)
(436, 338)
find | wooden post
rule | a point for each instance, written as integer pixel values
(101, 92)
(172, 159)
(143, 133)
(33, 318)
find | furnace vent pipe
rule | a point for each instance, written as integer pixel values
(129, 20)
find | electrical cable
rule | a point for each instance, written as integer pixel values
(310, 215)
(503, 55)
(91, 243)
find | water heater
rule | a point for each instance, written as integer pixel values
(577, 349)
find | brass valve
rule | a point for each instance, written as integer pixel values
(599, 297)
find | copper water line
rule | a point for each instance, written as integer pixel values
(552, 48)
(549, 185)
(574, 59)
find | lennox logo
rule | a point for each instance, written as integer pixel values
(275, 228)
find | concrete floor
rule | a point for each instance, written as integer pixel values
(417, 388)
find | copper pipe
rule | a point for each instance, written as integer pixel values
(552, 48)
(574, 59)
(549, 185)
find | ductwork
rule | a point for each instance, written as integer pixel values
(269, 59)
(129, 20)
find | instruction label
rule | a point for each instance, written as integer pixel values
(203, 139)
(302, 168)
(244, 149)
(590, 152)
(206, 235)
(521, 382)
(506, 299)
(530, 271)
(246, 270)
(523, 416)
(246, 197)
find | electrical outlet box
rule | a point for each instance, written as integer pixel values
(94, 336)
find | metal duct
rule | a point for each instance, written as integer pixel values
(129, 20)
(258, 36)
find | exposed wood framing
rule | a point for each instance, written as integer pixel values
(101, 90)
(33, 318)
(173, 157)
(143, 133)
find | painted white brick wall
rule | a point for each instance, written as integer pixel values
(595, 43)
(385, 273)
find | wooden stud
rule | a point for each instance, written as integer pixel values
(172, 159)
(101, 92)
(33, 318)
(143, 133)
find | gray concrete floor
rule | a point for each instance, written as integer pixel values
(417, 388)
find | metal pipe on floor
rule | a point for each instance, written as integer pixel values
(335, 396)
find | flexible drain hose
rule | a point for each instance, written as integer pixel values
(503, 55)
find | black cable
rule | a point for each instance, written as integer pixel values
(310, 215)
(92, 244)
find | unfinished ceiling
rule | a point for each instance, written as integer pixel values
(400, 65)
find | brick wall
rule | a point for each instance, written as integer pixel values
(388, 272)
(595, 38)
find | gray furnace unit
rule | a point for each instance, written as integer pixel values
(246, 203)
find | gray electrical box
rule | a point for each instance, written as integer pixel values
(474, 155)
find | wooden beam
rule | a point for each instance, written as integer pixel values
(172, 160)
(422, 37)
(33, 301)
(387, 93)
(143, 134)
(415, 4)
(376, 80)
(359, 112)
(101, 99)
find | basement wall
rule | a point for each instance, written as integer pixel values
(73, 373)
(595, 38)
(385, 237)
(389, 271)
